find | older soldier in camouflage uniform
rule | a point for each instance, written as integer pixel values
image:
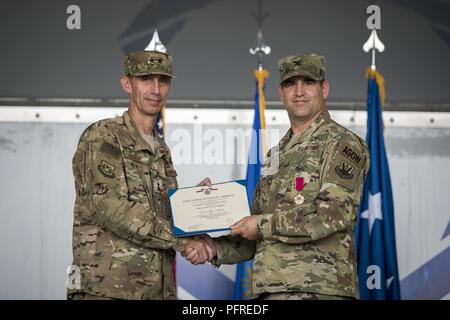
(122, 238)
(300, 233)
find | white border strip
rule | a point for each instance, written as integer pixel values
(218, 116)
(184, 295)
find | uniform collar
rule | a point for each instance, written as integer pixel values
(136, 138)
(290, 139)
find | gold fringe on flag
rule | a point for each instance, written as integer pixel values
(261, 76)
(380, 81)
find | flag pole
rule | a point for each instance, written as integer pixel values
(243, 285)
(156, 45)
(261, 74)
(375, 228)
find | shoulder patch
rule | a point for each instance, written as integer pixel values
(347, 163)
(344, 170)
(110, 151)
(352, 154)
(106, 169)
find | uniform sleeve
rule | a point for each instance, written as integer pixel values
(334, 209)
(113, 206)
(230, 249)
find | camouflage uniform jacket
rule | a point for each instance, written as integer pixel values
(306, 241)
(122, 235)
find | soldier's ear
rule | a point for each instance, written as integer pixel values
(325, 89)
(126, 84)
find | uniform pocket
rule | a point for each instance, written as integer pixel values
(135, 178)
(87, 242)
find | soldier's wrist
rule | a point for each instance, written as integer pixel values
(180, 244)
(265, 226)
(218, 258)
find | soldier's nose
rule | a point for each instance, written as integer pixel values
(155, 86)
(299, 88)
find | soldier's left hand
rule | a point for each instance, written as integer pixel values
(247, 227)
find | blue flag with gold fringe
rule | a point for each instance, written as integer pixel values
(244, 270)
(375, 230)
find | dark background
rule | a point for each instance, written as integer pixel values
(210, 43)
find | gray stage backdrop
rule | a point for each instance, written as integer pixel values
(37, 196)
(210, 41)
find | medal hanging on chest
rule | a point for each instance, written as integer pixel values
(299, 185)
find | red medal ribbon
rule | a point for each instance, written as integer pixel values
(299, 183)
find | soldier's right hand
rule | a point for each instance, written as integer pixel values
(195, 251)
(210, 245)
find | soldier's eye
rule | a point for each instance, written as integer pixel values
(288, 83)
(164, 80)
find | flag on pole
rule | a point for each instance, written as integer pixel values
(156, 45)
(244, 270)
(160, 124)
(375, 229)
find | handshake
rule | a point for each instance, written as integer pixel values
(202, 248)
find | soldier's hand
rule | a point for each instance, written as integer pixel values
(210, 245)
(205, 182)
(247, 227)
(196, 252)
(189, 253)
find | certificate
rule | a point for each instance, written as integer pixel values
(198, 210)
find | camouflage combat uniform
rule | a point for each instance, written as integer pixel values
(306, 241)
(122, 236)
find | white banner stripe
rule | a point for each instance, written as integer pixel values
(184, 295)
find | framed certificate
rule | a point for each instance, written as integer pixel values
(199, 210)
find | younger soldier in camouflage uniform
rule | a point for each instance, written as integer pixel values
(300, 233)
(122, 238)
